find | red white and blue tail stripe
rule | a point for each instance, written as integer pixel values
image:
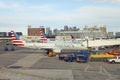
(15, 39)
(43, 37)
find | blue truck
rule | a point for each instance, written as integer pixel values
(81, 56)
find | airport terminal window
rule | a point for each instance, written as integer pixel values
(3, 33)
(118, 57)
(28, 37)
(101, 48)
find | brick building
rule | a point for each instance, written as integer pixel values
(35, 31)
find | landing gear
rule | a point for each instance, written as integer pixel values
(6, 48)
(9, 47)
(12, 49)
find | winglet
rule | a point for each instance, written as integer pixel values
(72, 37)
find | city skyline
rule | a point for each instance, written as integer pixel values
(18, 14)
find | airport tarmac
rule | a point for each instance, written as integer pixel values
(30, 64)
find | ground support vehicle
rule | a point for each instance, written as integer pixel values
(50, 53)
(82, 56)
(105, 55)
(100, 57)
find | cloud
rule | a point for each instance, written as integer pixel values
(25, 7)
(82, 15)
(111, 1)
(98, 15)
(98, 11)
(44, 7)
(48, 14)
(100, 1)
(6, 5)
(3, 5)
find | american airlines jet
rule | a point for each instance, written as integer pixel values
(55, 46)
(70, 42)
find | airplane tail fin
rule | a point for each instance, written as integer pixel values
(72, 37)
(43, 37)
(16, 40)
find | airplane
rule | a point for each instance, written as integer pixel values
(55, 46)
(46, 40)
(94, 44)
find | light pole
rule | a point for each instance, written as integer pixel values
(87, 42)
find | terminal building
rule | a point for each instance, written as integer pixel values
(33, 34)
(6, 36)
(90, 33)
(35, 31)
(114, 34)
(31, 38)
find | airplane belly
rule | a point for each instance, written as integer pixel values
(57, 50)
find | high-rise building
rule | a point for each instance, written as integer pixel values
(111, 35)
(35, 31)
(48, 31)
(85, 28)
(92, 33)
(65, 28)
(117, 34)
(55, 31)
(102, 28)
(93, 28)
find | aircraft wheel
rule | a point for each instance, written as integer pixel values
(12, 49)
(6, 49)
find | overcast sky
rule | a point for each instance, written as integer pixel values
(18, 14)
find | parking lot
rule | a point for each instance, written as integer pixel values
(32, 64)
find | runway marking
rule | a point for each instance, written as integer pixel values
(104, 71)
(101, 69)
(12, 52)
(110, 76)
(41, 74)
(28, 61)
(14, 74)
(86, 69)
